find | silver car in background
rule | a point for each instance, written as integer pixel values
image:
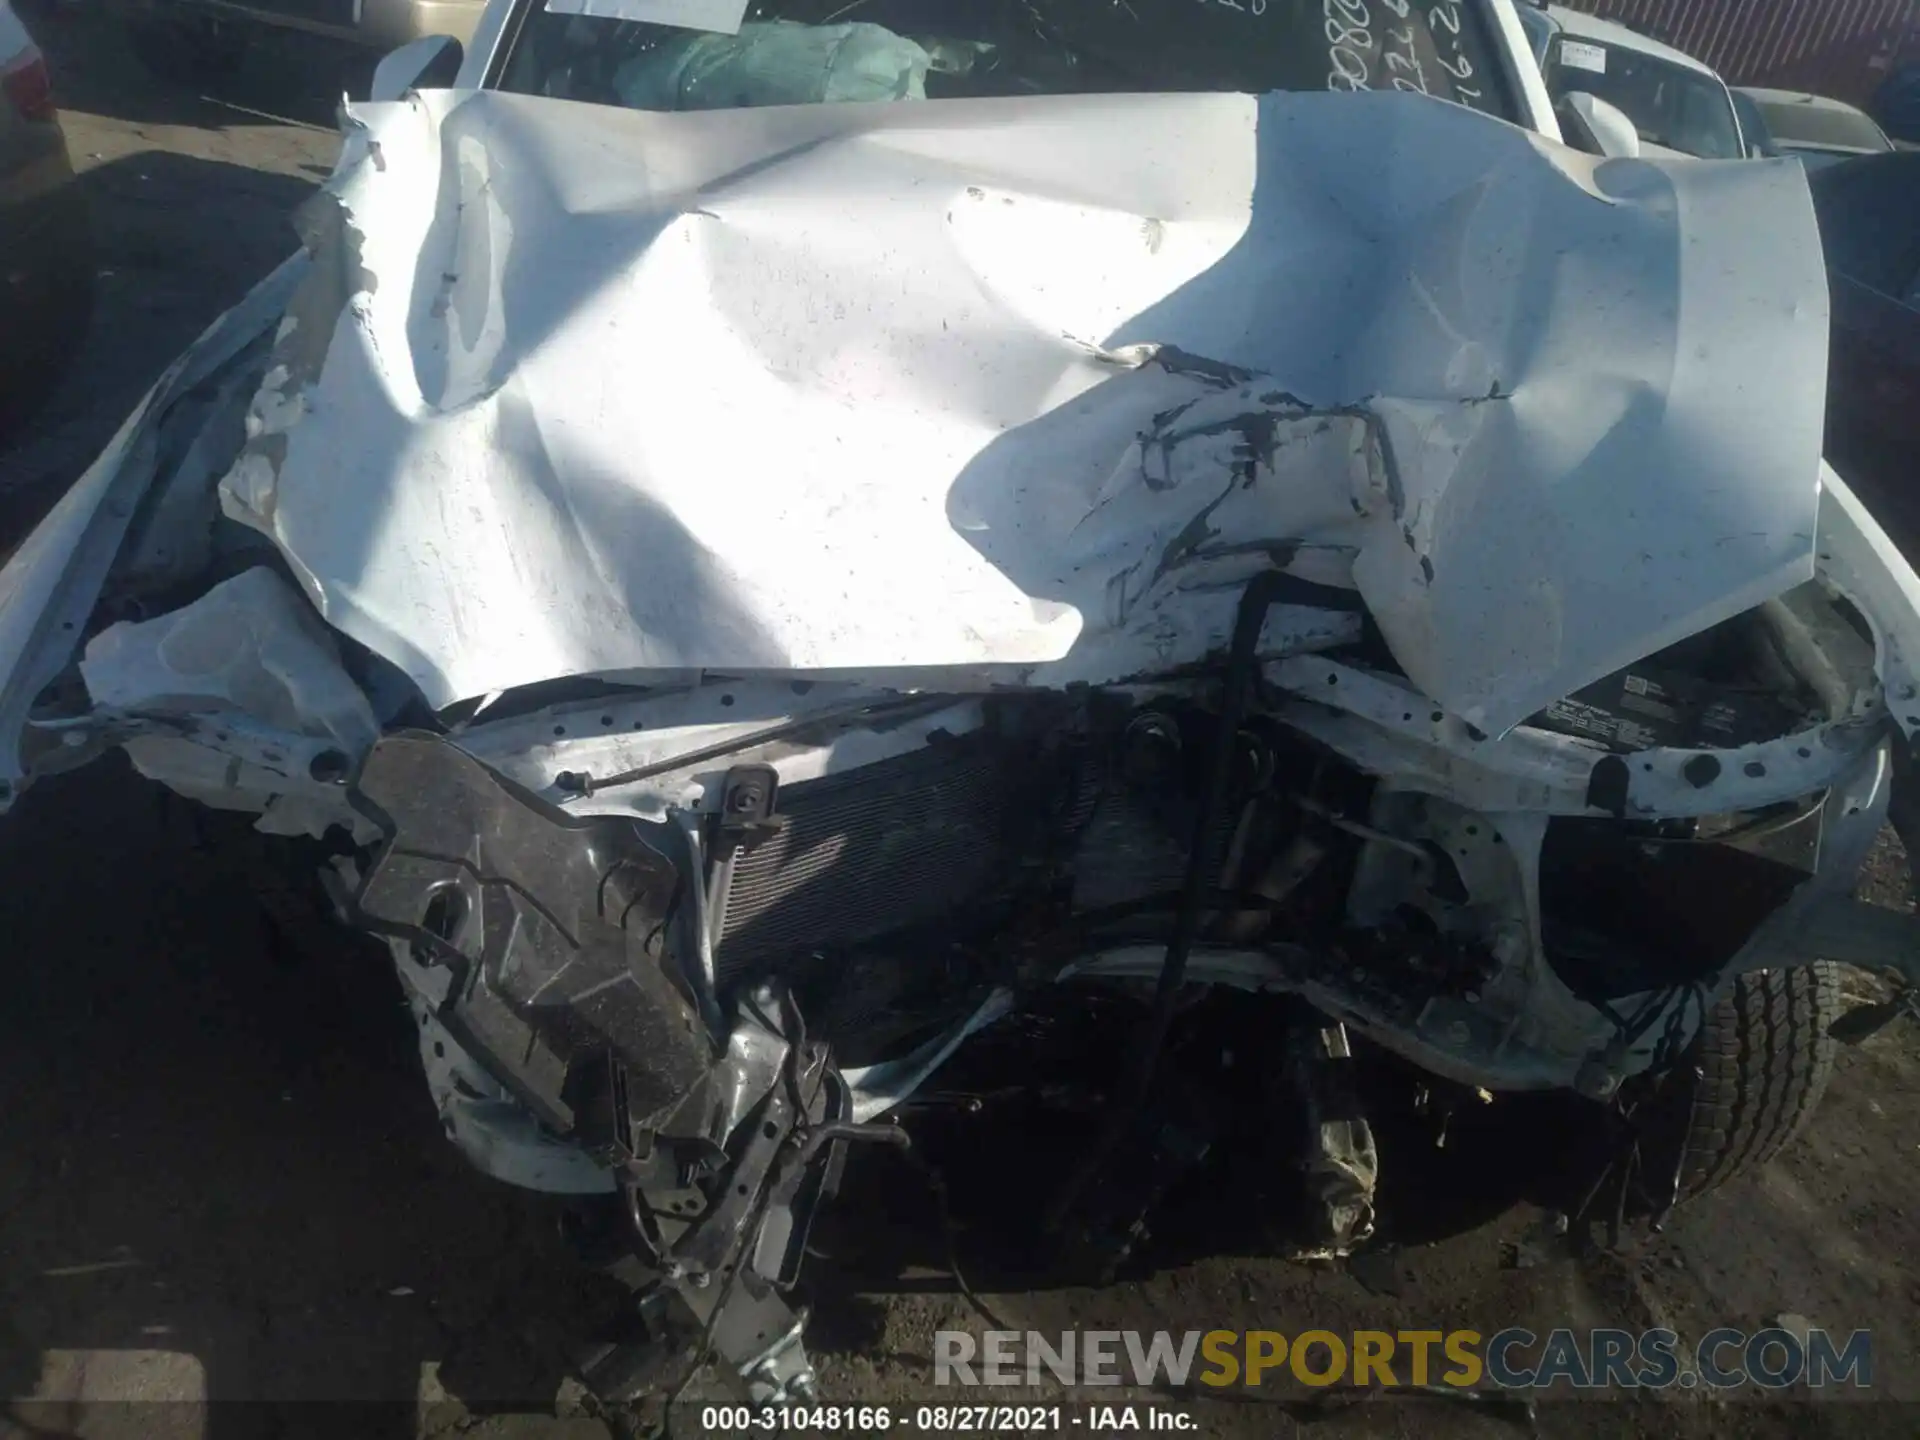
(1813, 129)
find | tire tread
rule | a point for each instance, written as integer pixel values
(1764, 1061)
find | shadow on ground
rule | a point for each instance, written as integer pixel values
(231, 1157)
(160, 281)
(178, 236)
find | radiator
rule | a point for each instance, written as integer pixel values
(903, 842)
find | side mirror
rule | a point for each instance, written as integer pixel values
(1591, 124)
(429, 63)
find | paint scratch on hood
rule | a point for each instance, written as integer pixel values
(1029, 387)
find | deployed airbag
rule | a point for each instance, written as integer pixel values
(778, 63)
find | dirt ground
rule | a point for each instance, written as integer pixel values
(220, 1178)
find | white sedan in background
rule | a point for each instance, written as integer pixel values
(1677, 104)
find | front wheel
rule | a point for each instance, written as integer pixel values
(1746, 1086)
(1762, 1062)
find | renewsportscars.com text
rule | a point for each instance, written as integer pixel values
(1513, 1358)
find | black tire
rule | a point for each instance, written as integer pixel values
(187, 52)
(1763, 1060)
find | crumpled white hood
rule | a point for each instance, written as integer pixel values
(850, 388)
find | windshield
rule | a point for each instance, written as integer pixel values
(788, 52)
(1669, 104)
(1827, 126)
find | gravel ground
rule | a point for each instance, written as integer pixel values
(220, 1179)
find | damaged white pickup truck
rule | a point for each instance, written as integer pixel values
(765, 593)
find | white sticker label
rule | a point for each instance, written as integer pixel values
(719, 17)
(1573, 55)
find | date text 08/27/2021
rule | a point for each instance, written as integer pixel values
(963, 1419)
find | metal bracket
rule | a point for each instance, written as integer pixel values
(747, 797)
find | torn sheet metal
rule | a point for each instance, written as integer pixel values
(249, 644)
(52, 581)
(250, 651)
(1032, 385)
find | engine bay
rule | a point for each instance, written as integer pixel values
(701, 1010)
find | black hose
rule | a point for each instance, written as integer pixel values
(1242, 655)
